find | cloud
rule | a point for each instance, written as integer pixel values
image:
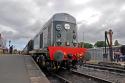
(20, 20)
(112, 15)
(6, 28)
(89, 15)
(79, 2)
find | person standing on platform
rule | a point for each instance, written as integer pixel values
(11, 49)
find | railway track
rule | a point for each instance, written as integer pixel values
(62, 79)
(104, 67)
(109, 65)
(113, 77)
(76, 77)
(99, 80)
(57, 78)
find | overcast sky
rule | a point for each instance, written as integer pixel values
(20, 20)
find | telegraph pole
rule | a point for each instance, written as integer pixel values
(109, 41)
(110, 47)
(9, 42)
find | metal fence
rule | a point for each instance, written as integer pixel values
(97, 54)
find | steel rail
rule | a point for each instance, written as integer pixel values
(119, 70)
(107, 65)
(62, 78)
(98, 79)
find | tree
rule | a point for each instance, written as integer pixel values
(100, 44)
(85, 45)
(88, 45)
(116, 43)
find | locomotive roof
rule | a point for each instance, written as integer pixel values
(63, 17)
(58, 17)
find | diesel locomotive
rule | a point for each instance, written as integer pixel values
(56, 44)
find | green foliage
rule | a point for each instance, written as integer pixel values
(88, 45)
(100, 44)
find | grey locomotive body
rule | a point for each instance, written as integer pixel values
(56, 44)
(60, 30)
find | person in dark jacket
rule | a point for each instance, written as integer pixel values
(11, 49)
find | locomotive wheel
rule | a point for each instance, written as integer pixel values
(42, 61)
(49, 66)
(37, 59)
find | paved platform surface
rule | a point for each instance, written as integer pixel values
(20, 69)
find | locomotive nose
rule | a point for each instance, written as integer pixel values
(58, 56)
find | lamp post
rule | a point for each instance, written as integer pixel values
(9, 42)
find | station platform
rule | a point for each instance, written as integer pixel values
(20, 69)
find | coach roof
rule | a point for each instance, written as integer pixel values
(64, 17)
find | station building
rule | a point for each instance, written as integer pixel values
(2, 44)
